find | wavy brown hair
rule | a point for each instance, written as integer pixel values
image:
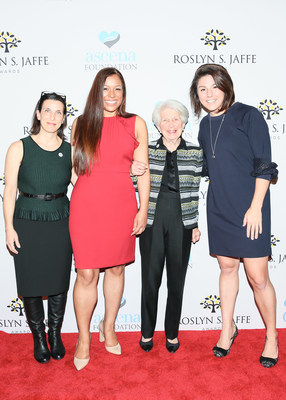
(222, 80)
(89, 125)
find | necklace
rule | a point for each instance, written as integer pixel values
(217, 135)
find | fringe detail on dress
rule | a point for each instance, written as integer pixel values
(36, 215)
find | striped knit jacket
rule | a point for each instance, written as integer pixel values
(190, 162)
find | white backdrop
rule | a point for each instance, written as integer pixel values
(59, 45)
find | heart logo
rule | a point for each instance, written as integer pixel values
(123, 302)
(109, 39)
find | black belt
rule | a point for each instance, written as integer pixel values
(46, 197)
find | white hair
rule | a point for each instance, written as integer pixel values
(174, 105)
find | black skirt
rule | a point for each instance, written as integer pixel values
(43, 264)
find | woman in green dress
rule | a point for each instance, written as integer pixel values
(39, 167)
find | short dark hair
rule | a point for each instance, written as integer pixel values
(222, 80)
(36, 124)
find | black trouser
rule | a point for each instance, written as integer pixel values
(167, 239)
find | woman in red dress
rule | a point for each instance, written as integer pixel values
(104, 218)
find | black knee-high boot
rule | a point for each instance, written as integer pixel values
(56, 310)
(34, 310)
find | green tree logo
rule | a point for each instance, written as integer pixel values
(8, 41)
(274, 240)
(215, 38)
(17, 305)
(71, 111)
(211, 303)
(269, 108)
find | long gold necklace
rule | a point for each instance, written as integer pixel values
(213, 146)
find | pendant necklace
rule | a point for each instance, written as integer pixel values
(213, 146)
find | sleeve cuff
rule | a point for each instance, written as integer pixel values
(205, 171)
(263, 167)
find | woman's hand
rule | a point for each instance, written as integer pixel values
(253, 222)
(196, 235)
(12, 240)
(253, 216)
(138, 168)
(140, 222)
(12, 164)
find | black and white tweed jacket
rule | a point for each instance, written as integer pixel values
(190, 163)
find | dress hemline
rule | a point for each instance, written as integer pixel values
(108, 266)
(269, 255)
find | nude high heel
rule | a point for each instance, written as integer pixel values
(101, 335)
(80, 363)
(111, 349)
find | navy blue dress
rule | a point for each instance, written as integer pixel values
(242, 153)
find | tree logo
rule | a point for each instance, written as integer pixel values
(211, 303)
(215, 38)
(274, 240)
(269, 108)
(109, 39)
(8, 41)
(17, 305)
(71, 111)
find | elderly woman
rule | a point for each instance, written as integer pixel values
(175, 167)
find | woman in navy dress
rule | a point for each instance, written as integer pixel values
(237, 159)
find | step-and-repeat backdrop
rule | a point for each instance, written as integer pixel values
(60, 45)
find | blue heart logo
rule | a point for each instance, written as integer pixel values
(109, 39)
(123, 302)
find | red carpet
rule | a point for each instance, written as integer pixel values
(192, 373)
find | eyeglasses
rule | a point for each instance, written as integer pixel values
(63, 96)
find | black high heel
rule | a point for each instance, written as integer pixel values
(172, 347)
(268, 362)
(219, 351)
(146, 346)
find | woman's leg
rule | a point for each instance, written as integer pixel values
(152, 250)
(178, 246)
(113, 286)
(265, 298)
(85, 298)
(228, 288)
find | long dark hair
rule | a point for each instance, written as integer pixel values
(89, 125)
(36, 124)
(222, 80)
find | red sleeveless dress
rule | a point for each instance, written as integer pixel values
(103, 204)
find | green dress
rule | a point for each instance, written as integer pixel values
(44, 261)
